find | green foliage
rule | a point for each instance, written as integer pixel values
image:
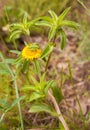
(20, 28)
(40, 107)
(56, 23)
(5, 106)
(39, 89)
(4, 69)
(57, 92)
(47, 50)
(61, 127)
(63, 42)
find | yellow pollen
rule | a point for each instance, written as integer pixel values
(31, 54)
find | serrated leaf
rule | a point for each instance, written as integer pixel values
(42, 107)
(35, 96)
(63, 39)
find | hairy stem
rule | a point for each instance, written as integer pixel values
(58, 110)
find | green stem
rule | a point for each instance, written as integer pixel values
(16, 88)
(46, 68)
(49, 57)
(19, 106)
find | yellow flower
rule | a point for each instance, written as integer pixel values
(31, 52)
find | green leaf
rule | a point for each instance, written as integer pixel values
(52, 33)
(15, 26)
(57, 92)
(46, 18)
(18, 61)
(42, 81)
(15, 51)
(34, 80)
(70, 24)
(4, 72)
(15, 102)
(63, 41)
(64, 13)
(43, 23)
(48, 49)
(3, 66)
(42, 107)
(25, 66)
(10, 61)
(54, 16)
(29, 88)
(3, 69)
(35, 96)
(37, 67)
(15, 34)
(25, 21)
(48, 86)
(3, 102)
